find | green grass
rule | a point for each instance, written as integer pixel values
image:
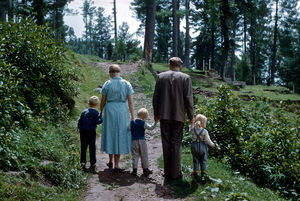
(23, 187)
(221, 183)
(270, 92)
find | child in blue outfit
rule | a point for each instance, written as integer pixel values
(200, 140)
(139, 145)
(87, 124)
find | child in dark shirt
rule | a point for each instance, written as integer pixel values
(87, 124)
(139, 145)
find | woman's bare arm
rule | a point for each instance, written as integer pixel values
(130, 105)
(103, 102)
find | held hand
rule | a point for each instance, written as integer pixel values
(131, 118)
(192, 121)
(156, 118)
(213, 145)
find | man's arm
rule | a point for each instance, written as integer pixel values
(155, 101)
(150, 127)
(188, 99)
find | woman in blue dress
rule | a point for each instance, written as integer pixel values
(116, 138)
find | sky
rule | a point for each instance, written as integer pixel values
(124, 14)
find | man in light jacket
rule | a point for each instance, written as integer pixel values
(172, 98)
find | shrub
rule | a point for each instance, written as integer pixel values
(32, 66)
(260, 141)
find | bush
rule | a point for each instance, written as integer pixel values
(36, 90)
(33, 72)
(260, 141)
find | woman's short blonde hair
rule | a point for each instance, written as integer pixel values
(143, 113)
(202, 119)
(94, 100)
(114, 68)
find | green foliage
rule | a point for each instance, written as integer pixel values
(221, 183)
(36, 89)
(260, 141)
(33, 73)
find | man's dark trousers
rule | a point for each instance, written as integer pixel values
(171, 135)
(88, 138)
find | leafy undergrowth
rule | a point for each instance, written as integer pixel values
(42, 158)
(258, 140)
(221, 183)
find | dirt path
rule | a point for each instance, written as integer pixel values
(109, 186)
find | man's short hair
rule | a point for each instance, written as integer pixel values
(175, 62)
(114, 68)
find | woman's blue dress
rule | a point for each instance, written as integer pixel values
(116, 138)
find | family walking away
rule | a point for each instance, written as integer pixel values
(122, 133)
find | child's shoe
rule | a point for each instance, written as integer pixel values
(83, 167)
(134, 172)
(92, 169)
(109, 165)
(147, 172)
(194, 174)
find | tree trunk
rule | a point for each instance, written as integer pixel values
(252, 52)
(175, 27)
(232, 60)
(272, 81)
(149, 35)
(245, 34)
(213, 46)
(224, 26)
(179, 43)
(3, 11)
(115, 28)
(38, 8)
(187, 34)
(10, 5)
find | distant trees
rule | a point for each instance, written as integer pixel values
(97, 38)
(127, 47)
(51, 12)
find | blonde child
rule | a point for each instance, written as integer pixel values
(87, 124)
(139, 145)
(200, 140)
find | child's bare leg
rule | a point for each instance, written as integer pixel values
(117, 159)
(110, 163)
(110, 158)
